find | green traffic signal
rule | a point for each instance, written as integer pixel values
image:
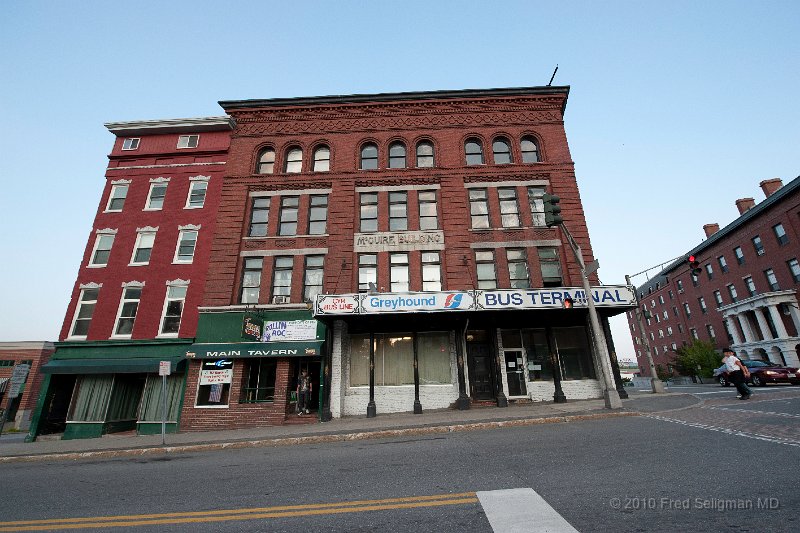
(552, 211)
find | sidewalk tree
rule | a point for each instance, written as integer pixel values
(698, 353)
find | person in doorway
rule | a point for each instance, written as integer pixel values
(303, 392)
(737, 373)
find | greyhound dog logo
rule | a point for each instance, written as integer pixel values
(453, 301)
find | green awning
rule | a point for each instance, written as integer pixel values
(145, 365)
(234, 350)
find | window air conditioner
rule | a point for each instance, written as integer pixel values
(280, 299)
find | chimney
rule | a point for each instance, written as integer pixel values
(770, 186)
(745, 204)
(711, 229)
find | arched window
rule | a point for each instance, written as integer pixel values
(369, 156)
(322, 159)
(266, 161)
(501, 151)
(294, 160)
(397, 155)
(530, 150)
(425, 154)
(474, 152)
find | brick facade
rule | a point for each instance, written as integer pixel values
(13, 354)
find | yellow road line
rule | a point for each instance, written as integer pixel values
(241, 514)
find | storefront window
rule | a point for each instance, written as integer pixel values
(433, 354)
(394, 359)
(213, 395)
(538, 352)
(573, 349)
(259, 381)
(90, 401)
(151, 398)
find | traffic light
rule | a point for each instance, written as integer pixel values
(552, 211)
(694, 266)
(569, 303)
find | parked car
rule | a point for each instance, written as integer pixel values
(762, 373)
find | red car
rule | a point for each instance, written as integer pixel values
(762, 373)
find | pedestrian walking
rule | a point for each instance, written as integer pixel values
(737, 373)
(303, 392)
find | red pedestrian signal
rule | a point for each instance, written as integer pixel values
(694, 266)
(569, 303)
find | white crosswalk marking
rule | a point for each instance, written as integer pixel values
(521, 511)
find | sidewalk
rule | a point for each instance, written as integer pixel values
(351, 428)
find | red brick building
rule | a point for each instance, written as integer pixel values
(141, 279)
(19, 409)
(745, 295)
(428, 203)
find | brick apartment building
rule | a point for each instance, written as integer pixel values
(140, 282)
(396, 244)
(746, 295)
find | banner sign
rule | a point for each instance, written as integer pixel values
(292, 330)
(252, 328)
(426, 302)
(236, 350)
(219, 364)
(212, 377)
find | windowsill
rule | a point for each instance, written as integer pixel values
(96, 266)
(305, 235)
(120, 337)
(78, 338)
(167, 336)
(211, 406)
(138, 264)
(153, 209)
(194, 206)
(183, 262)
(113, 211)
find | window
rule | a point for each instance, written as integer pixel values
(394, 359)
(431, 272)
(723, 265)
(294, 161)
(425, 154)
(259, 216)
(117, 197)
(155, 199)
(259, 381)
(102, 249)
(661, 299)
(428, 211)
(680, 286)
(732, 292)
(487, 279)
(551, 267)
(718, 298)
(772, 280)
(213, 394)
(312, 281)
(695, 280)
(84, 311)
(173, 309)
(710, 330)
(669, 331)
(187, 241)
(710, 271)
(518, 268)
(537, 205)
(188, 141)
(130, 144)
(266, 161)
(675, 311)
(671, 297)
(398, 211)
(288, 222)
(318, 214)
(661, 334)
(694, 333)
(399, 272)
(739, 255)
(369, 156)
(369, 212)
(666, 314)
(751, 286)
(759, 247)
(509, 208)
(780, 234)
(530, 150)
(282, 277)
(397, 155)
(367, 271)
(128, 306)
(501, 151)
(197, 193)
(474, 152)
(794, 268)
(680, 328)
(687, 310)
(143, 248)
(702, 302)
(251, 280)
(322, 159)
(479, 208)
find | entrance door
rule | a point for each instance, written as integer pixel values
(312, 366)
(515, 373)
(481, 364)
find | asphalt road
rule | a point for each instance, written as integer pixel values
(723, 465)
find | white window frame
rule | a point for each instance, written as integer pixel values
(80, 302)
(122, 302)
(115, 186)
(177, 283)
(188, 141)
(195, 181)
(157, 182)
(131, 143)
(185, 230)
(141, 232)
(99, 236)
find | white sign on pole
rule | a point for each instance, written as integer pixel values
(164, 368)
(18, 377)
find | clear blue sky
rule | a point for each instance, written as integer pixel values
(676, 108)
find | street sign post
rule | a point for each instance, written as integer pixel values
(164, 369)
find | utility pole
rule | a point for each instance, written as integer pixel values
(655, 383)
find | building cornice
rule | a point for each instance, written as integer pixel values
(27, 345)
(172, 125)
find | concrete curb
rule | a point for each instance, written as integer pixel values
(310, 439)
